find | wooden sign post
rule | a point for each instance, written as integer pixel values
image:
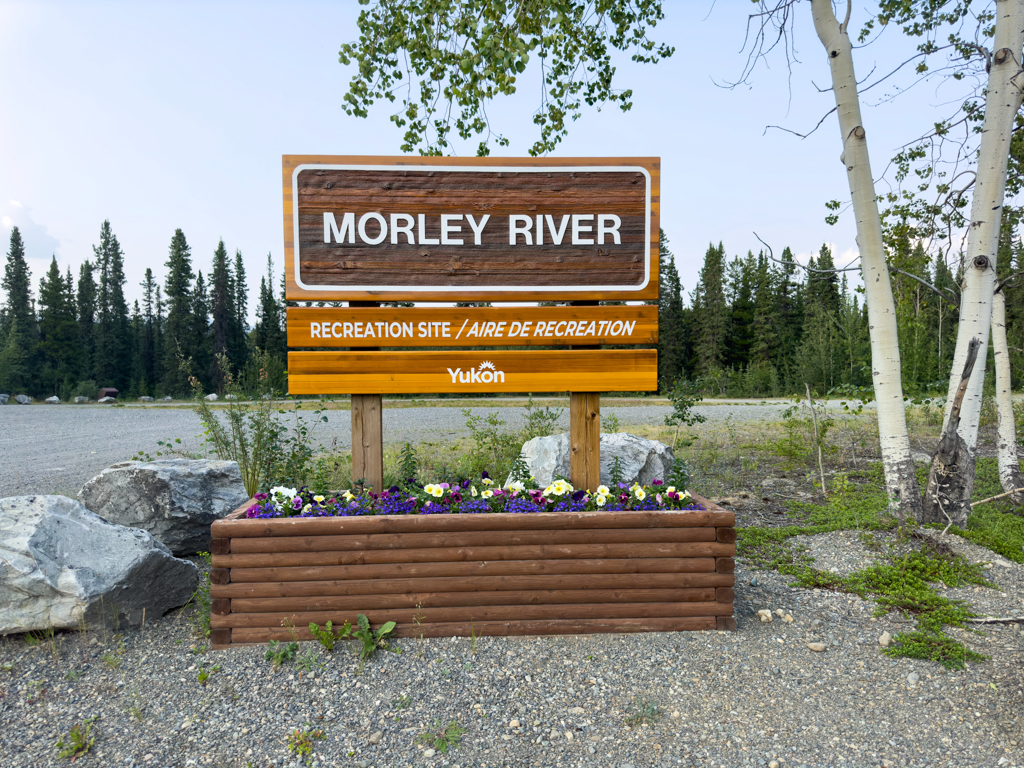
(411, 229)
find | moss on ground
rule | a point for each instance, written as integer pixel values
(904, 582)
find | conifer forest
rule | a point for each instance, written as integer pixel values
(754, 325)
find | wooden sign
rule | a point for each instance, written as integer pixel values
(626, 370)
(470, 229)
(471, 326)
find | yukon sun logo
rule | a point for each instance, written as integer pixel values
(485, 374)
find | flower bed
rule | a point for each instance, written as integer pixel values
(516, 562)
(466, 498)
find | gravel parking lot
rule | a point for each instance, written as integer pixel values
(57, 448)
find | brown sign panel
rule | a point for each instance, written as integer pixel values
(471, 326)
(418, 372)
(480, 229)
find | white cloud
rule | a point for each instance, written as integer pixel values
(8, 223)
(15, 203)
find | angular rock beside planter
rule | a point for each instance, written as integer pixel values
(640, 460)
(546, 573)
(63, 567)
(175, 500)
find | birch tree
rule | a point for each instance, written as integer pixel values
(445, 61)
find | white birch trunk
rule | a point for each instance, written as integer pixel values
(1010, 476)
(900, 479)
(1002, 101)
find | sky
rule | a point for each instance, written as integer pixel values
(164, 115)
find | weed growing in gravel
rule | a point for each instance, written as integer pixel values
(642, 712)
(442, 738)
(372, 640)
(111, 660)
(74, 675)
(204, 674)
(300, 741)
(402, 702)
(136, 707)
(278, 653)
(327, 637)
(308, 661)
(78, 740)
(202, 601)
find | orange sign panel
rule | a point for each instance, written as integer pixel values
(362, 373)
(471, 326)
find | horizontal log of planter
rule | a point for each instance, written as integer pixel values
(487, 574)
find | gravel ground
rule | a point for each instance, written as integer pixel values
(57, 448)
(755, 697)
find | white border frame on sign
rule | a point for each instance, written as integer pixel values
(456, 289)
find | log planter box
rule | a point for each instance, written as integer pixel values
(487, 574)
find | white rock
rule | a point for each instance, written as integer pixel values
(212, 397)
(429, 753)
(576, 710)
(167, 398)
(175, 500)
(913, 678)
(773, 764)
(817, 647)
(779, 612)
(62, 566)
(765, 614)
(640, 460)
(145, 399)
(230, 397)
(376, 737)
(106, 400)
(81, 399)
(513, 723)
(54, 400)
(788, 619)
(568, 736)
(885, 639)
(22, 399)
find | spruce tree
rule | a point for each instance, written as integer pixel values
(58, 346)
(238, 347)
(114, 344)
(222, 312)
(20, 329)
(270, 336)
(147, 350)
(86, 308)
(671, 320)
(202, 347)
(711, 313)
(178, 330)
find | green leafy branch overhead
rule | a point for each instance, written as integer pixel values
(442, 61)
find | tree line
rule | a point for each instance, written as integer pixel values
(760, 325)
(753, 325)
(75, 336)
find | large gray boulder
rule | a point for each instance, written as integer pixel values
(54, 400)
(4, 399)
(22, 399)
(106, 400)
(81, 399)
(63, 567)
(640, 460)
(173, 499)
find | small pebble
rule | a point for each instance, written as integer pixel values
(817, 647)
